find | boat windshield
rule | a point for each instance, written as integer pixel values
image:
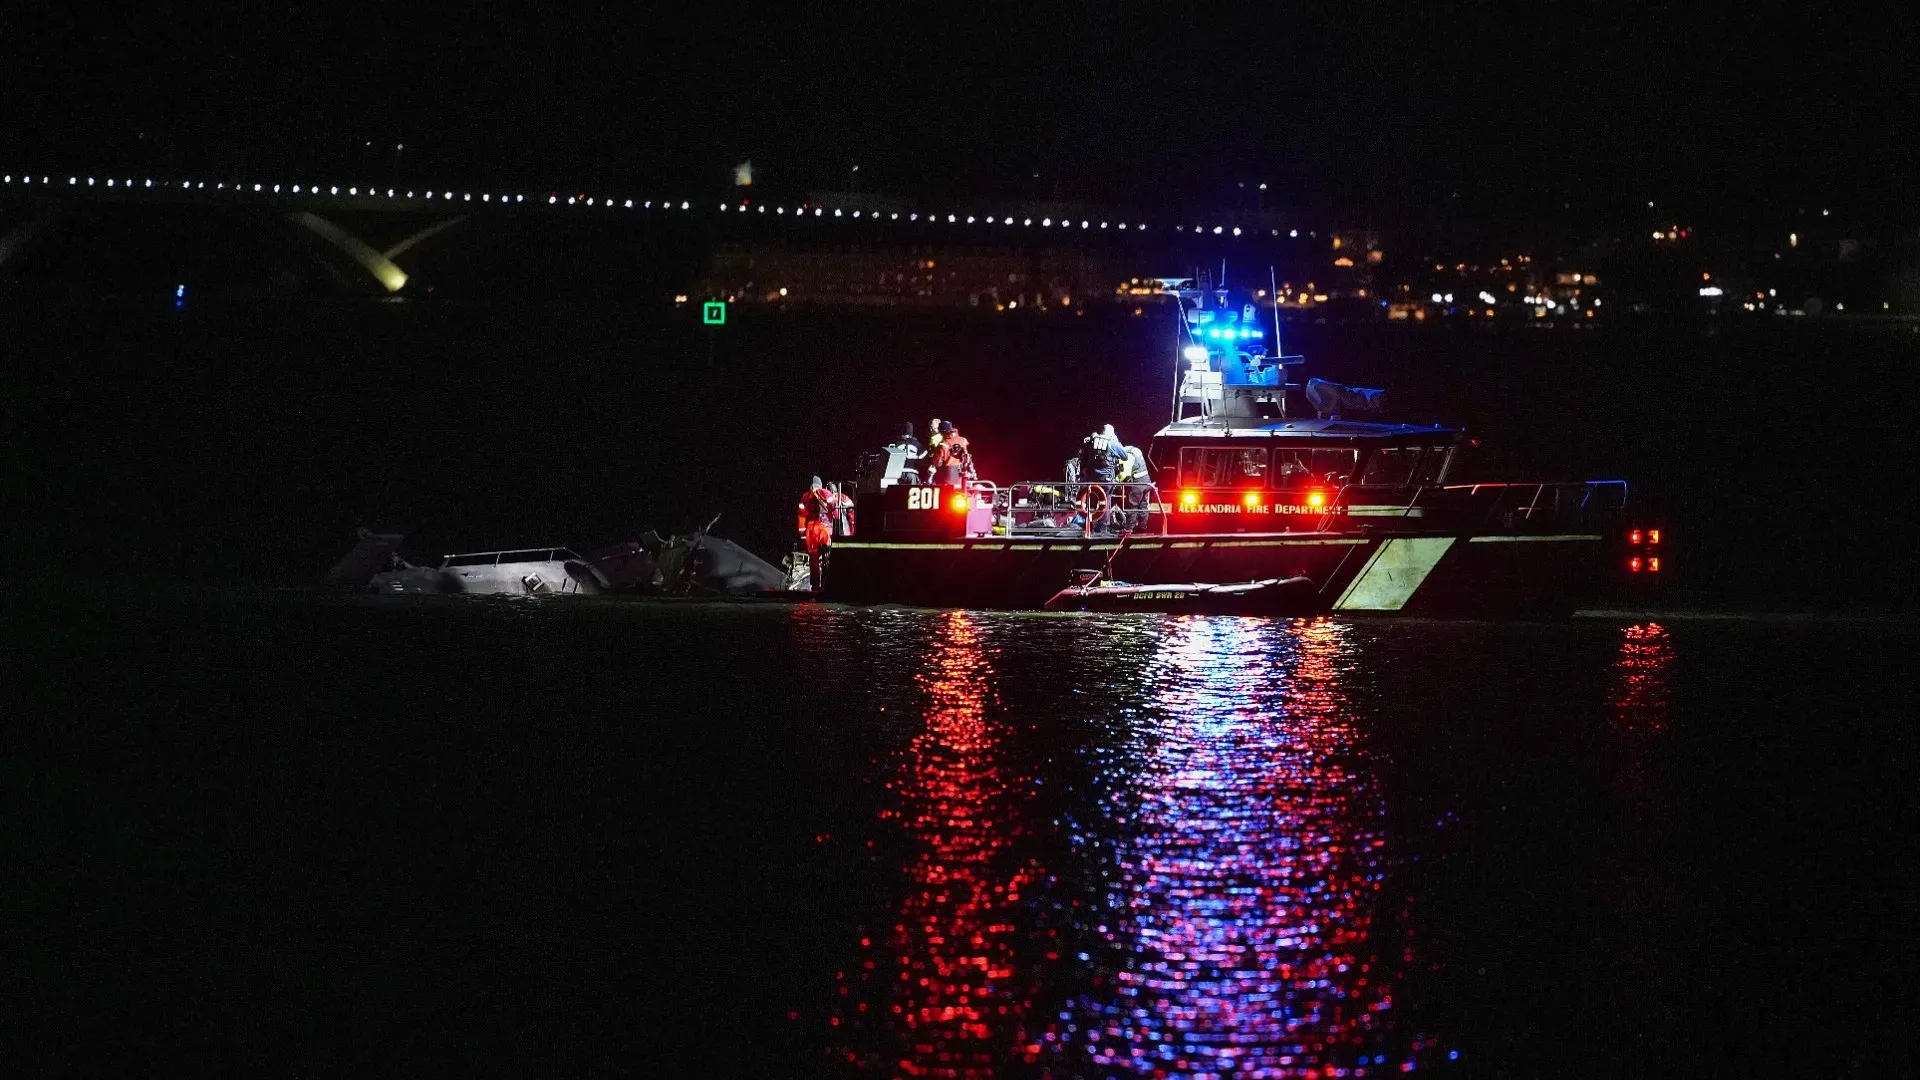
(1405, 466)
(1205, 466)
(1305, 468)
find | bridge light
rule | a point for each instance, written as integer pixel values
(1046, 222)
(1633, 564)
(1236, 230)
(1027, 221)
(913, 217)
(1293, 233)
(551, 199)
(1653, 536)
(448, 195)
(687, 206)
(895, 216)
(1653, 565)
(969, 219)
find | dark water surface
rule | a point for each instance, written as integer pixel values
(257, 832)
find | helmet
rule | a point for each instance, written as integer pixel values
(946, 427)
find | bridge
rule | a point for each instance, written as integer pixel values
(376, 239)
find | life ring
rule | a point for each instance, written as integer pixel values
(1106, 501)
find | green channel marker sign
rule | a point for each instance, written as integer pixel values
(714, 313)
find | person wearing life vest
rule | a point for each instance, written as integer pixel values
(819, 505)
(1100, 456)
(1135, 495)
(952, 458)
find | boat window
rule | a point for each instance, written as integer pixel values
(1391, 467)
(485, 558)
(542, 555)
(1207, 467)
(1432, 464)
(1305, 468)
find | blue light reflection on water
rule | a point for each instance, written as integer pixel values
(1247, 874)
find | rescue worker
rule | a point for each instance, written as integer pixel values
(842, 511)
(952, 458)
(933, 444)
(1100, 456)
(1136, 494)
(818, 507)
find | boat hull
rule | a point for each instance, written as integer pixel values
(1433, 576)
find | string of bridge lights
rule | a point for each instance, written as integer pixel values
(802, 211)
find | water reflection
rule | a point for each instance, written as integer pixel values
(1240, 931)
(941, 992)
(1639, 695)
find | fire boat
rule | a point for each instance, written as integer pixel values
(1253, 511)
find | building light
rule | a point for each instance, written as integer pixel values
(1710, 290)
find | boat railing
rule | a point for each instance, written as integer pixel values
(1048, 507)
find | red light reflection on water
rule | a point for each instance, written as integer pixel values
(1238, 936)
(1639, 692)
(941, 993)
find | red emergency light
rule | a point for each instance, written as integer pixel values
(1252, 498)
(1633, 564)
(1316, 498)
(958, 504)
(1189, 498)
(1635, 537)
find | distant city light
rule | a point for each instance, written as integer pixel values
(1293, 233)
(1710, 290)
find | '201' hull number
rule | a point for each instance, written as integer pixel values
(923, 498)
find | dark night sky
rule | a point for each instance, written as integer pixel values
(1563, 108)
